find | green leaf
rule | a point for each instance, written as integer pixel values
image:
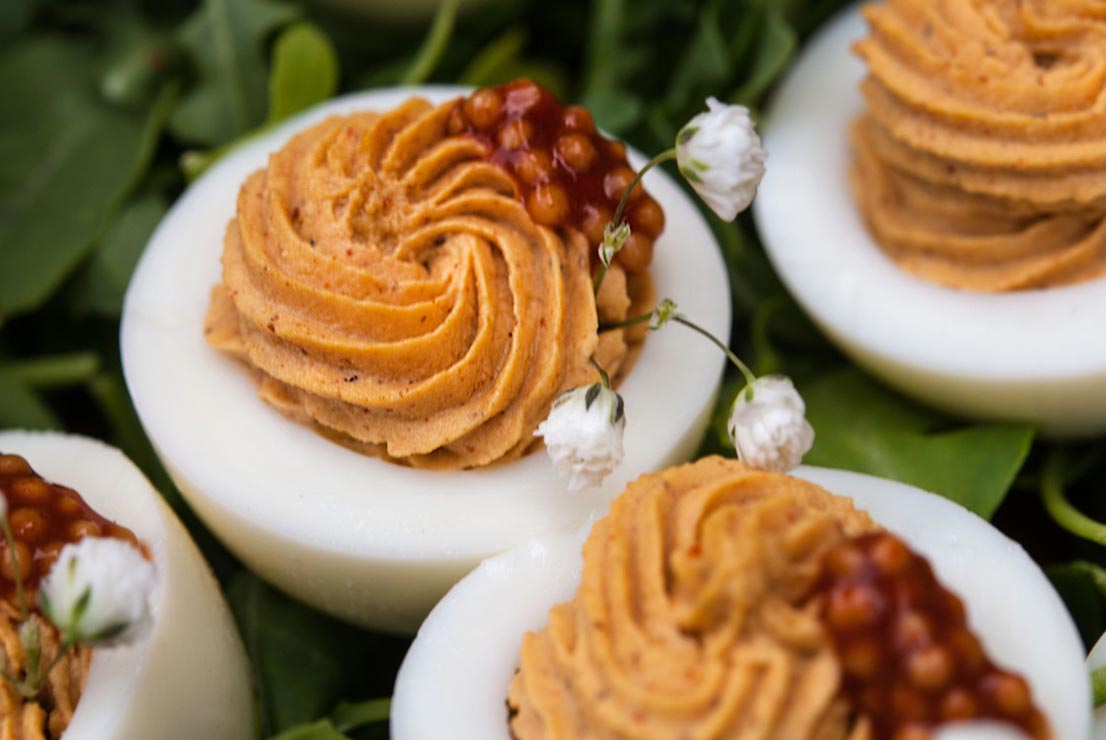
(434, 45)
(304, 71)
(614, 111)
(862, 426)
(56, 371)
(776, 44)
(66, 162)
(1081, 585)
(226, 40)
(321, 730)
(352, 716)
(704, 66)
(100, 285)
(21, 408)
(502, 51)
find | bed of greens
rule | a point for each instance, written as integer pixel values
(110, 108)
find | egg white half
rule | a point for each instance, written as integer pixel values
(188, 678)
(366, 540)
(1027, 356)
(453, 682)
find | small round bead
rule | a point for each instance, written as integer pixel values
(617, 180)
(516, 134)
(909, 704)
(844, 561)
(522, 96)
(28, 525)
(576, 151)
(959, 704)
(912, 732)
(456, 123)
(23, 554)
(862, 659)
(483, 108)
(854, 606)
(890, 555)
(1009, 694)
(533, 166)
(68, 505)
(912, 630)
(30, 490)
(647, 217)
(930, 668)
(579, 118)
(14, 465)
(969, 655)
(594, 222)
(636, 253)
(617, 150)
(548, 204)
(46, 555)
(84, 528)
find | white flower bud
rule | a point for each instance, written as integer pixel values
(583, 434)
(99, 591)
(613, 239)
(662, 314)
(720, 154)
(769, 429)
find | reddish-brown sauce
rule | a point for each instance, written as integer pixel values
(909, 659)
(44, 517)
(566, 173)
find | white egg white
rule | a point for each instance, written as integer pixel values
(453, 682)
(366, 540)
(188, 678)
(1024, 356)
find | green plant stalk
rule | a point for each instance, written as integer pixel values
(1098, 686)
(602, 373)
(661, 158)
(56, 371)
(1058, 506)
(750, 377)
(430, 53)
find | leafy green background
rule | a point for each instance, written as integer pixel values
(110, 107)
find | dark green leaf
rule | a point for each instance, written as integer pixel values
(21, 408)
(863, 426)
(304, 71)
(321, 730)
(775, 46)
(614, 111)
(434, 45)
(226, 41)
(352, 716)
(704, 67)
(55, 371)
(66, 162)
(100, 285)
(1081, 589)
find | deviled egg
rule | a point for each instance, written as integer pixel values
(463, 662)
(186, 678)
(356, 535)
(1022, 355)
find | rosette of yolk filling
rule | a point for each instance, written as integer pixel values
(721, 602)
(980, 161)
(44, 517)
(417, 284)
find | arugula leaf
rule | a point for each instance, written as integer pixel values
(865, 427)
(22, 408)
(322, 730)
(225, 39)
(1082, 586)
(345, 718)
(66, 163)
(100, 285)
(304, 71)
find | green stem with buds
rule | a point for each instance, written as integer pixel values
(617, 218)
(1058, 506)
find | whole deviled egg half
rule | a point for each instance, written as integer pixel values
(343, 338)
(185, 676)
(718, 601)
(937, 202)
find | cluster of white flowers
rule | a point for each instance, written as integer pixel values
(99, 592)
(720, 155)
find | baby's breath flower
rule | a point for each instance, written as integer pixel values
(583, 434)
(720, 154)
(768, 427)
(99, 592)
(664, 311)
(613, 239)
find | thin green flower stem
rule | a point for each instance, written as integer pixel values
(750, 378)
(7, 529)
(1058, 506)
(34, 683)
(1098, 686)
(626, 322)
(430, 53)
(602, 373)
(661, 158)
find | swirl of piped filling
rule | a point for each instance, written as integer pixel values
(980, 161)
(388, 283)
(692, 617)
